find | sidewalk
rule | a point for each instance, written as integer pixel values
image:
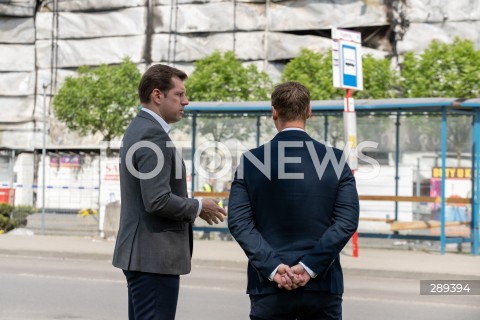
(392, 263)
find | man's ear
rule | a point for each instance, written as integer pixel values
(157, 95)
(309, 112)
(274, 113)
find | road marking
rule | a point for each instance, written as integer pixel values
(44, 276)
(223, 268)
(87, 258)
(189, 286)
(425, 303)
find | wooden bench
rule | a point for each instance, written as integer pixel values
(394, 225)
(415, 225)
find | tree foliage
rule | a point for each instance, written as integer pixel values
(221, 77)
(380, 81)
(442, 70)
(101, 99)
(313, 70)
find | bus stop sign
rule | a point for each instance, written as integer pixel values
(347, 59)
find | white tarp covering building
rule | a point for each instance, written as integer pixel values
(43, 42)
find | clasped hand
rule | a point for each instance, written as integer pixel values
(290, 278)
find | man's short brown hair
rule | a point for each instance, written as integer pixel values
(292, 101)
(158, 76)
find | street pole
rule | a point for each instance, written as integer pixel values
(44, 152)
(417, 190)
(350, 124)
(347, 74)
(11, 174)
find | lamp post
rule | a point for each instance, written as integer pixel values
(44, 152)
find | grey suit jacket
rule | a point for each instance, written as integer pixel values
(155, 233)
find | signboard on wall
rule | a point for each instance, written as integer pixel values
(458, 184)
(452, 173)
(65, 161)
(109, 193)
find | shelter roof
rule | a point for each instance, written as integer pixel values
(370, 105)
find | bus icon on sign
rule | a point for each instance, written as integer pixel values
(349, 70)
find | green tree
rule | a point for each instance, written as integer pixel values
(380, 81)
(444, 70)
(221, 77)
(101, 99)
(313, 70)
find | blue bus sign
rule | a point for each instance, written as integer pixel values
(347, 59)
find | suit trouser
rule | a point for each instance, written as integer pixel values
(296, 305)
(152, 296)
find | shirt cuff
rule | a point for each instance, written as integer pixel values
(309, 271)
(273, 273)
(199, 207)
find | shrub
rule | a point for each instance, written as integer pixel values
(6, 224)
(20, 214)
(5, 210)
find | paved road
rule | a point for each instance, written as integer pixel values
(50, 288)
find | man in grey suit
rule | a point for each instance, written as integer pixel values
(154, 243)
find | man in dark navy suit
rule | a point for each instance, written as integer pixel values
(293, 206)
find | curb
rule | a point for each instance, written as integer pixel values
(56, 254)
(240, 266)
(411, 275)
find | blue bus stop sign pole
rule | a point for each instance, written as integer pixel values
(444, 164)
(475, 182)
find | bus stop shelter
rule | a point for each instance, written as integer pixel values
(396, 107)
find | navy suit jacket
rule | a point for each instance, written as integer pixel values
(288, 205)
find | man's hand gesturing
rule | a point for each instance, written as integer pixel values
(211, 212)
